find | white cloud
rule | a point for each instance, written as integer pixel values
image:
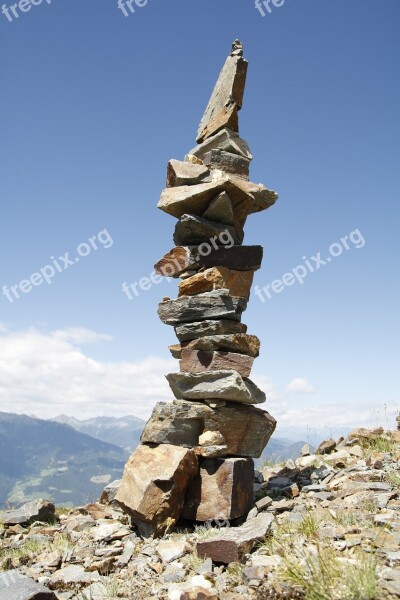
(300, 386)
(80, 335)
(47, 374)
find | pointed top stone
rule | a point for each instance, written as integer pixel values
(227, 97)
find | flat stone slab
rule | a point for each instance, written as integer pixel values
(198, 361)
(221, 385)
(210, 305)
(184, 258)
(240, 342)
(238, 283)
(245, 429)
(15, 586)
(247, 197)
(232, 544)
(222, 489)
(190, 331)
(37, 510)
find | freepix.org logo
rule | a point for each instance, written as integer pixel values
(14, 11)
(265, 7)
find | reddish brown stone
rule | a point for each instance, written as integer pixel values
(153, 486)
(196, 361)
(237, 282)
(223, 489)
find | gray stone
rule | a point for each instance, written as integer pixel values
(227, 140)
(210, 305)
(228, 162)
(73, 574)
(192, 231)
(37, 510)
(15, 586)
(226, 99)
(263, 503)
(172, 549)
(252, 514)
(246, 430)
(185, 173)
(206, 329)
(231, 545)
(183, 258)
(221, 210)
(221, 385)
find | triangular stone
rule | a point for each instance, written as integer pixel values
(220, 209)
(226, 99)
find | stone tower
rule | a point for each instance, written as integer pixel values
(196, 455)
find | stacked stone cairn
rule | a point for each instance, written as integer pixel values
(195, 461)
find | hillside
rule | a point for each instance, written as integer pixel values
(41, 458)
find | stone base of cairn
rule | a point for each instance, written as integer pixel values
(196, 455)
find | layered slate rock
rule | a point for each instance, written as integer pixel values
(240, 342)
(210, 305)
(223, 489)
(190, 331)
(228, 162)
(245, 430)
(221, 385)
(153, 486)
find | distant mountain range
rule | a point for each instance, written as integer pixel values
(70, 461)
(124, 431)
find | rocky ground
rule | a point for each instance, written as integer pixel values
(325, 526)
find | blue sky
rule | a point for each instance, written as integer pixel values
(93, 106)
